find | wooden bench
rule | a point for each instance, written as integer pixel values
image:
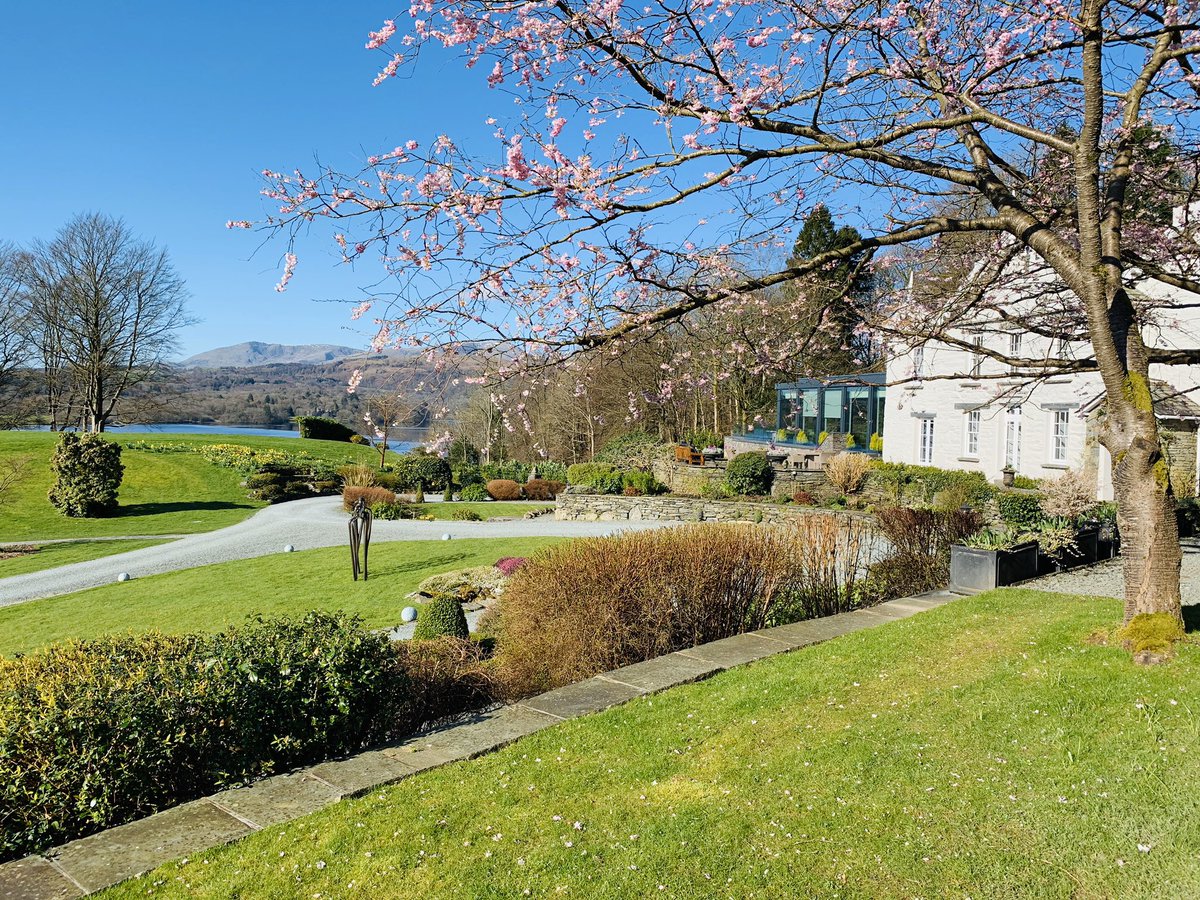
(688, 455)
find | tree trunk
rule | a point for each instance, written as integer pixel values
(1149, 532)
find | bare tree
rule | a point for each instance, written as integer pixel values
(105, 307)
(15, 346)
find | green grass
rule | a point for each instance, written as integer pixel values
(162, 493)
(983, 749)
(48, 556)
(208, 598)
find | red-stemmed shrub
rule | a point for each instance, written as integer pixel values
(542, 489)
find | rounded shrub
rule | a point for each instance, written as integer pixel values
(442, 616)
(372, 496)
(638, 483)
(474, 493)
(503, 489)
(87, 475)
(749, 473)
(542, 489)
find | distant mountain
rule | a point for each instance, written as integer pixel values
(256, 353)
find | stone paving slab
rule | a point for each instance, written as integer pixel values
(662, 672)
(484, 732)
(108, 857)
(803, 634)
(280, 798)
(581, 698)
(33, 878)
(363, 772)
(736, 650)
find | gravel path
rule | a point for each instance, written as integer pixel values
(304, 524)
(1106, 580)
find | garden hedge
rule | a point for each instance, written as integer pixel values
(322, 428)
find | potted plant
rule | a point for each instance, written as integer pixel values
(1057, 545)
(781, 434)
(992, 559)
(1007, 476)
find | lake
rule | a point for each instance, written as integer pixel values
(282, 431)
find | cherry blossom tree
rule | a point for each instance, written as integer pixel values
(661, 147)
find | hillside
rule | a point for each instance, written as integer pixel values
(258, 353)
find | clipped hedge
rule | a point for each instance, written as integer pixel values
(87, 475)
(1020, 512)
(97, 733)
(475, 492)
(322, 428)
(902, 482)
(424, 470)
(442, 616)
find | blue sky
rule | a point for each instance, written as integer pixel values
(165, 113)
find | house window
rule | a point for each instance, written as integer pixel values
(1059, 435)
(1064, 348)
(977, 356)
(1012, 437)
(919, 362)
(925, 454)
(971, 433)
(1014, 349)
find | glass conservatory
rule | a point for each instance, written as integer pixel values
(848, 404)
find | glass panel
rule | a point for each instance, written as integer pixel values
(880, 405)
(831, 419)
(859, 399)
(808, 419)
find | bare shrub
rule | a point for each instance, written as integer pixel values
(1069, 496)
(848, 471)
(602, 603)
(920, 542)
(503, 489)
(371, 495)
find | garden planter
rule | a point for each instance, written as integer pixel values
(1086, 552)
(981, 570)
(1108, 542)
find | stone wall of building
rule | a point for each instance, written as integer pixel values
(617, 508)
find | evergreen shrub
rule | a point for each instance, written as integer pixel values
(87, 473)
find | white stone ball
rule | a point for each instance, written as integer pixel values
(445, 537)
(124, 576)
(408, 614)
(288, 548)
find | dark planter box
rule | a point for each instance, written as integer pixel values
(1086, 553)
(982, 570)
(1108, 542)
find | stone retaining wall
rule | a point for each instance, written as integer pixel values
(614, 508)
(690, 481)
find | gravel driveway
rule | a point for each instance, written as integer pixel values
(1106, 580)
(304, 524)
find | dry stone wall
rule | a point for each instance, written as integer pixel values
(616, 508)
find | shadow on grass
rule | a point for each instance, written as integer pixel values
(155, 509)
(1191, 618)
(417, 565)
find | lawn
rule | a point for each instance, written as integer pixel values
(208, 598)
(984, 749)
(48, 556)
(162, 493)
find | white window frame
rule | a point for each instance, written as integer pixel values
(1012, 437)
(925, 441)
(919, 362)
(972, 425)
(1060, 435)
(977, 356)
(1014, 349)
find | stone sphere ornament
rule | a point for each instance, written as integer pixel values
(124, 576)
(408, 614)
(288, 548)
(445, 537)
